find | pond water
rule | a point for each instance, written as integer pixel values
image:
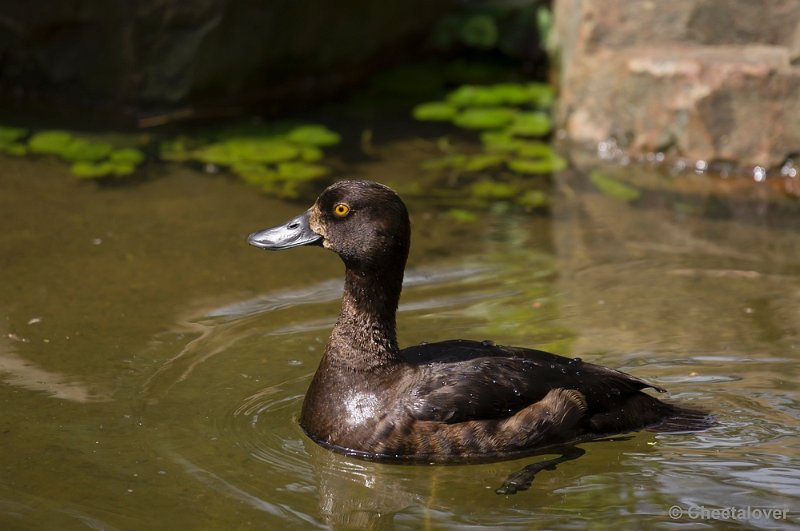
(152, 364)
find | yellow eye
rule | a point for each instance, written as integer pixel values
(341, 210)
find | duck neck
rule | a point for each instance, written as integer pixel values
(364, 337)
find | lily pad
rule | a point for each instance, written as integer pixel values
(82, 150)
(91, 170)
(50, 142)
(484, 118)
(540, 95)
(310, 154)
(534, 150)
(612, 187)
(537, 166)
(313, 135)
(16, 149)
(531, 124)
(473, 95)
(300, 171)
(502, 141)
(131, 156)
(435, 111)
(256, 174)
(9, 135)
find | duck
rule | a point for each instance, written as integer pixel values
(457, 400)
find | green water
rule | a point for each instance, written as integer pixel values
(152, 365)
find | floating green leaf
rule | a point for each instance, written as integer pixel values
(91, 170)
(82, 150)
(534, 150)
(310, 154)
(499, 141)
(540, 95)
(313, 135)
(16, 149)
(537, 166)
(50, 142)
(484, 118)
(435, 111)
(256, 174)
(130, 156)
(612, 187)
(264, 151)
(537, 95)
(530, 124)
(473, 95)
(9, 135)
(300, 171)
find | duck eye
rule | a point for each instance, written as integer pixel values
(341, 210)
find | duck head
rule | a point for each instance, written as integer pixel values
(364, 222)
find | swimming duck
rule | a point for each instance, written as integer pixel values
(457, 400)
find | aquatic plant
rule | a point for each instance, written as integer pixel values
(277, 158)
(509, 116)
(88, 158)
(10, 141)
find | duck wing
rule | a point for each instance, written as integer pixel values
(462, 380)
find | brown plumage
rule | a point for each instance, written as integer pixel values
(455, 400)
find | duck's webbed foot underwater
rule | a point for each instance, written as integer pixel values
(522, 479)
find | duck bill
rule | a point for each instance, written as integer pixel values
(293, 233)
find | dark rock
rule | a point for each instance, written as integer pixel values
(128, 56)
